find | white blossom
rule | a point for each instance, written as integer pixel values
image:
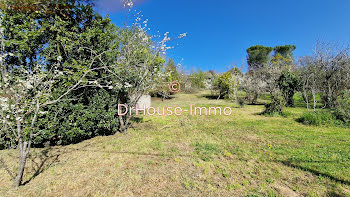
(28, 85)
(127, 85)
(4, 105)
(128, 3)
(183, 35)
(43, 112)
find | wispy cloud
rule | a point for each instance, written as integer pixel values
(114, 5)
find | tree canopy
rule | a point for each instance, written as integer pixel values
(258, 55)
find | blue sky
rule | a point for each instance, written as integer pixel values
(220, 31)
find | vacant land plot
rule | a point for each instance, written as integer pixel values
(245, 154)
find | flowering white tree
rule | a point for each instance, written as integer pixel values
(253, 85)
(24, 94)
(139, 65)
(326, 72)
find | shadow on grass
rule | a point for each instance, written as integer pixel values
(46, 159)
(211, 97)
(137, 119)
(256, 104)
(43, 160)
(169, 97)
(315, 172)
(131, 153)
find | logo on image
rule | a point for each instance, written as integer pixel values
(174, 87)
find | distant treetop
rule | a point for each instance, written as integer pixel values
(258, 55)
(286, 50)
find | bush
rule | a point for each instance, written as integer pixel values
(94, 114)
(2, 143)
(240, 102)
(228, 83)
(275, 107)
(289, 83)
(342, 110)
(319, 118)
(224, 85)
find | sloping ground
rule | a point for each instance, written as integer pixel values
(238, 155)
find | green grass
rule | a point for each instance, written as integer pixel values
(245, 154)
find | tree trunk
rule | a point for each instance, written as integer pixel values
(124, 123)
(314, 95)
(306, 100)
(22, 163)
(255, 99)
(121, 124)
(235, 94)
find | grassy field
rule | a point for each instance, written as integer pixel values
(245, 154)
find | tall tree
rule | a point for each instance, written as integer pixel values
(258, 55)
(137, 69)
(310, 77)
(288, 82)
(286, 51)
(172, 71)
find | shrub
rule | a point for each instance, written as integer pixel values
(342, 110)
(224, 84)
(240, 102)
(319, 118)
(289, 83)
(72, 122)
(228, 83)
(275, 107)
